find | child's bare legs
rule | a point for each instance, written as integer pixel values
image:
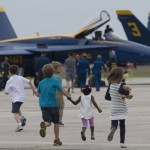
(83, 133)
(61, 108)
(20, 113)
(72, 85)
(17, 112)
(83, 129)
(56, 131)
(84, 126)
(19, 126)
(91, 122)
(57, 141)
(67, 84)
(22, 119)
(60, 114)
(92, 133)
(17, 118)
(48, 124)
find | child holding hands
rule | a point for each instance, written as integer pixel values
(87, 101)
(59, 95)
(48, 102)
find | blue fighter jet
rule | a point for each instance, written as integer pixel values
(22, 51)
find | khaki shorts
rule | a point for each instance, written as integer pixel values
(70, 76)
(60, 100)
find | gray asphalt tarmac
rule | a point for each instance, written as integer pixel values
(137, 124)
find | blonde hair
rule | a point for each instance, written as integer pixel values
(48, 70)
(115, 75)
(56, 64)
(84, 55)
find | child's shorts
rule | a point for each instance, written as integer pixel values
(16, 107)
(70, 76)
(50, 114)
(85, 122)
(60, 100)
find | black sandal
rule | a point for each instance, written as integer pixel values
(83, 136)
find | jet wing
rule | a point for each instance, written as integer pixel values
(72, 48)
(14, 52)
(13, 49)
(29, 49)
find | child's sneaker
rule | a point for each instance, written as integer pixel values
(42, 131)
(83, 137)
(122, 145)
(57, 142)
(92, 137)
(19, 128)
(111, 134)
(61, 124)
(23, 121)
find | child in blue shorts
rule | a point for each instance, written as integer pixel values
(48, 102)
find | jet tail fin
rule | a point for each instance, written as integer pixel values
(134, 29)
(98, 21)
(6, 29)
(148, 24)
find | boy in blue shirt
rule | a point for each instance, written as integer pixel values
(48, 103)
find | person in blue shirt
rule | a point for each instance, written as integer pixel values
(39, 63)
(5, 71)
(48, 102)
(83, 69)
(98, 65)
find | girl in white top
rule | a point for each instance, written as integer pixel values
(87, 102)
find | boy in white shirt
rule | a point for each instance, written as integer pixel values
(15, 87)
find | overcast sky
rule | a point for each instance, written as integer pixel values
(67, 16)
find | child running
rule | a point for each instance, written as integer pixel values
(15, 87)
(86, 110)
(118, 111)
(48, 102)
(59, 95)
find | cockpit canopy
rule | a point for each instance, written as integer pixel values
(96, 22)
(112, 36)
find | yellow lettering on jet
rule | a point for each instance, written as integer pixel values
(134, 28)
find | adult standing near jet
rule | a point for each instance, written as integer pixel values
(5, 71)
(70, 65)
(39, 63)
(98, 65)
(1, 77)
(83, 69)
(112, 62)
(77, 82)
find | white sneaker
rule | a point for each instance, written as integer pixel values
(61, 124)
(19, 128)
(123, 145)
